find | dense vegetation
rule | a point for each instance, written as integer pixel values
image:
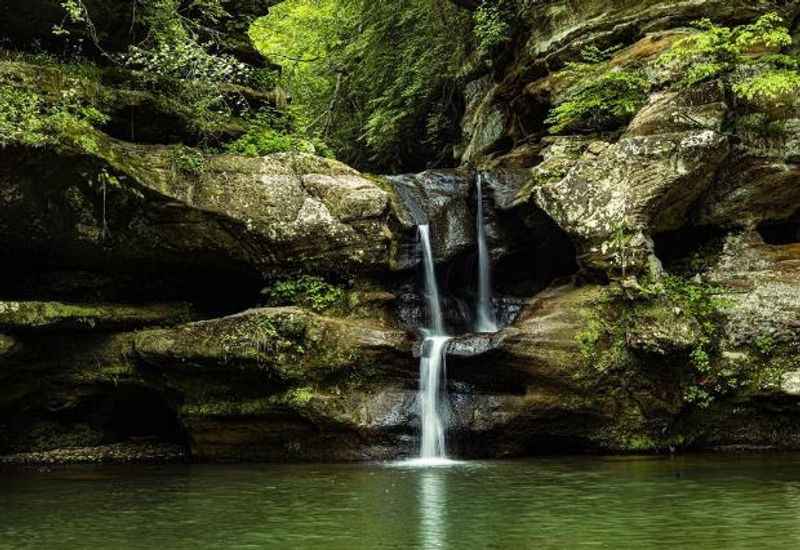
(749, 60)
(379, 82)
(378, 85)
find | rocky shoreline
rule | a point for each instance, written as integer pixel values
(116, 453)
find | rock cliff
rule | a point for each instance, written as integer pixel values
(647, 263)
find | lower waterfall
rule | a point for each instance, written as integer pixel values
(432, 375)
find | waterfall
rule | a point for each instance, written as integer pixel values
(484, 318)
(431, 287)
(432, 362)
(431, 375)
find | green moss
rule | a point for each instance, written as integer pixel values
(300, 396)
(295, 398)
(591, 337)
(604, 346)
(187, 160)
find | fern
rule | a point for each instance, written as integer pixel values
(600, 103)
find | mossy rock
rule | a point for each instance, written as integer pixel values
(116, 203)
(7, 345)
(31, 315)
(284, 344)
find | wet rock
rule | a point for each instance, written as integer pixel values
(339, 426)
(440, 199)
(472, 344)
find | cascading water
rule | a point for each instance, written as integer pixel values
(419, 195)
(432, 363)
(485, 320)
(431, 287)
(431, 374)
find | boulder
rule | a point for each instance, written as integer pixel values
(615, 196)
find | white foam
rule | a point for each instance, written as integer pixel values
(435, 462)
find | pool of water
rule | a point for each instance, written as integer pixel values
(589, 502)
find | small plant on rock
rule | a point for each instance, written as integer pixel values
(311, 292)
(600, 97)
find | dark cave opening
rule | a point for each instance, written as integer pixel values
(133, 413)
(780, 233)
(689, 250)
(107, 415)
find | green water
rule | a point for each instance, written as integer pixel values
(691, 502)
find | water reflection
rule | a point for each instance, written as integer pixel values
(432, 498)
(708, 503)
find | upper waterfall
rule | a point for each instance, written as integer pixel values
(485, 319)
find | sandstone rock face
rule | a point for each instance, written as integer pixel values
(759, 184)
(617, 195)
(285, 344)
(261, 215)
(283, 383)
(647, 274)
(558, 33)
(764, 283)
